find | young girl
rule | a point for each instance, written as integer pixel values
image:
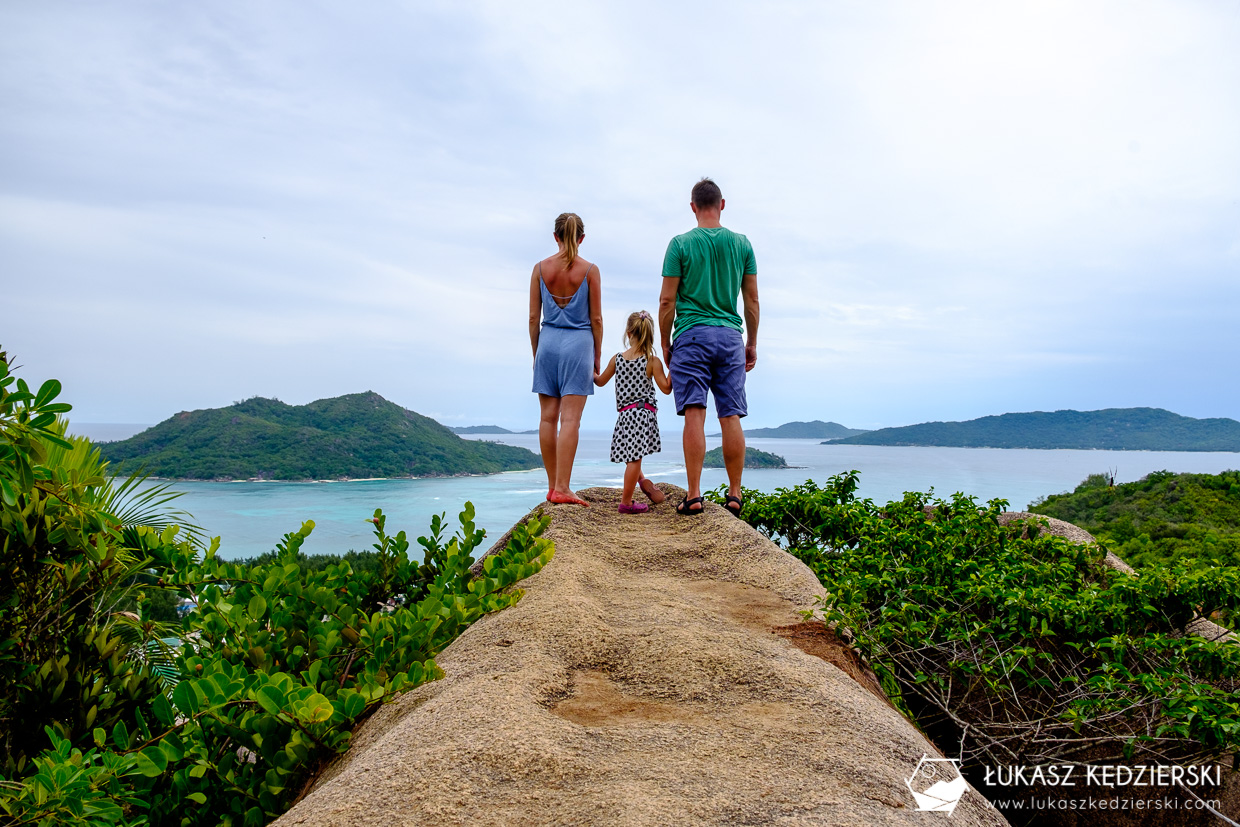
(637, 426)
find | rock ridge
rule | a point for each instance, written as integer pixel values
(658, 671)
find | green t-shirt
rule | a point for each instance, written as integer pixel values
(709, 261)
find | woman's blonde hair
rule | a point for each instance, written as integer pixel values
(569, 229)
(639, 332)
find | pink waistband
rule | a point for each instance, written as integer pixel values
(636, 405)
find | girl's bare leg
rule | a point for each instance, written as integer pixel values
(632, 472)
(549, 418)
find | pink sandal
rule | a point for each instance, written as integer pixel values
(633, 508)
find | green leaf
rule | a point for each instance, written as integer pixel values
(270, 698)
(316, 709)
(354, 705)
(48, 391)
(152, 762)
(8, 491)
(258, 606)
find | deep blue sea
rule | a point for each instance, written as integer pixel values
(251, 516)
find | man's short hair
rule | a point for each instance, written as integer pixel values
(706, 194)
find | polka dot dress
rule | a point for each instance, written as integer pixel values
(637, 429)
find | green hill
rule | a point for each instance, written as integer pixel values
(806, 430)
(1160, 519)
(753, 459)
(1113, 429)
(347, 437)
(480, 429)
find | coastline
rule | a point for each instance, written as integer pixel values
(1032, 448)
(311, 481)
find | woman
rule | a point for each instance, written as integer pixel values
(565, 292)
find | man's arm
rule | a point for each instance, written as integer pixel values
(749, 292)
(667, 315)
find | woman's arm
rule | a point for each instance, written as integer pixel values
(660, 377)
(603, 378)
(596, 314)
(535, 310)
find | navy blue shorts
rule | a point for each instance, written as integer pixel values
(709, 358)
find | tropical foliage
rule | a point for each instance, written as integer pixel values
(68, 572)
(355, 436)
(1161, 519)
(107, 717)
(1115, 429)
(1009, 645)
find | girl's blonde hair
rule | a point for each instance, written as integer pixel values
(569, 229)
(639, 332)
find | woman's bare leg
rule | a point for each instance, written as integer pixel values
(566, 444)
(632, 472)
(547, 427)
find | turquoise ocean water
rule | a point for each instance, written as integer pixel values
(251, 516)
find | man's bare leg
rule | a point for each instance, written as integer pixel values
(695, 450)
(549, 418)
(733, 452)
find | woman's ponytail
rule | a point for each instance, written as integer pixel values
(569, 230)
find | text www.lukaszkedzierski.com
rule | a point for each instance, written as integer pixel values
(1040, 803)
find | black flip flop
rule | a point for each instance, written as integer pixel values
(740, 505)
(684, 510)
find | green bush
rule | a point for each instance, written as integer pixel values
(64, 568)
(1009, 645)
(103, 723)
(1161, 519)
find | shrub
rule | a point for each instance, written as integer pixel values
(103, 723)
(1008, 644)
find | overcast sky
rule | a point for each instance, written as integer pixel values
(958, 209)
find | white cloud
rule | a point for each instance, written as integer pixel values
(302, 201)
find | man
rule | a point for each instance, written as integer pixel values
(703, 272)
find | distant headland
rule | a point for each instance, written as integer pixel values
(1112, 429)
(356, 436)
(487, 429)
(816, 429)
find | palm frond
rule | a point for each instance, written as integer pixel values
(128, 497)
(134, 502)
(152, 644)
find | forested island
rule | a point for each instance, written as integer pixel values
(360, 435)
(1112, 429)
(816, 429)
(753, 459)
